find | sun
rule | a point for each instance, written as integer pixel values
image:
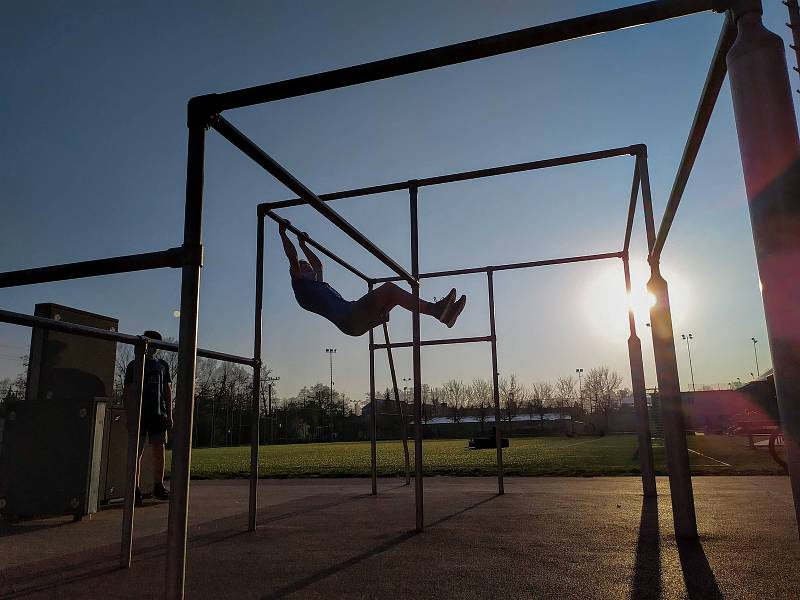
(606, 303)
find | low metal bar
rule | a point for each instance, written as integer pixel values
(261, 158)
(540, 35)
(132, 459)
(631, 210)
(315, 244)
(255, 417)
(509, 266)
(14, 318)
(373, 416)
(708, 99)
(498, 432)
(442, 342)
(462, 176)
(403, 432)
(172, 257)
(416, 360)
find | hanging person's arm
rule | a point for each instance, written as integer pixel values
(289, 249)
(313, 260)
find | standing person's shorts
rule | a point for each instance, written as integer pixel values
(154, 428)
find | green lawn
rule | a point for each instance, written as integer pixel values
(582, 456)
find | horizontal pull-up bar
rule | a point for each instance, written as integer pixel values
(540, 35)
(708, 99)
(174, 257)
(463, 340)
(510, 266)
(243, 143)
(463, 176)
(24, 320)
(315, 244)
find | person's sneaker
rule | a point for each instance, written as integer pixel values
(455, 311)
(443, 306)
(160, 492)
(137, 498)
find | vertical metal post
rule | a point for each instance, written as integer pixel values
(256, 408)
(134, 411)
(669, 391)
(770, 151)
(640, 398)
(373, 413)
(403, 432)
(498, 434)
(187, 357)
(418, 489)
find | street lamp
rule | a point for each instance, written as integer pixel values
(270, 383)
(405, 388)
(755, 353)
(330, 352)
(689, 337)
(580, 390)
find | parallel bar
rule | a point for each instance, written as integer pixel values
(631, 209)
(132, 459)
(514, 41)
(373, 416)
(172, 257)
(402, 415)
(509, 266)
(314, 244)
(442, 342)
(498, 432)
(248, 147)
(708, 98)
(647, 202)
(417, 362)
(177, 521)
(255, 417)
(463, 176)
(14, 318)
(639, 397)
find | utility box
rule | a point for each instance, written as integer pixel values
(53, 442)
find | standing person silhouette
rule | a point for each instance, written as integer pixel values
(156, 414)
(358, 316)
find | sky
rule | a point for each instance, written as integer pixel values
(93, 164)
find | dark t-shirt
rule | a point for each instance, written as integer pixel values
(154, 392)
(320, 298)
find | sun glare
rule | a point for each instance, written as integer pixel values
(606, 302)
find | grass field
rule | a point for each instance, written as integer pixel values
(536, 456)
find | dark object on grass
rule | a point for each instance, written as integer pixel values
(481, 443)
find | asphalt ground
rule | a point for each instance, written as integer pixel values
(545, 538)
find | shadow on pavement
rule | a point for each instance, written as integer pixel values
(701, 584)
(647, 573)
(388, 545)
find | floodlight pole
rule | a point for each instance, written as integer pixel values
(640, 398)
(770, 151)
(416, 359)
(187, 355)
(669, 391)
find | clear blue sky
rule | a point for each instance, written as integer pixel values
(93, 158)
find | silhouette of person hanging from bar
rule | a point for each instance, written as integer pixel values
(359, 316)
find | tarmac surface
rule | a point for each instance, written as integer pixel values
(329, 538)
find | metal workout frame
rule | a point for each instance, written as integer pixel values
(770, 150)
(640, 180)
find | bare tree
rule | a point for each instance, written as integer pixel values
(480, 395)
(603, 386)
(455, 392)
(543, 393)
(512, 395)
